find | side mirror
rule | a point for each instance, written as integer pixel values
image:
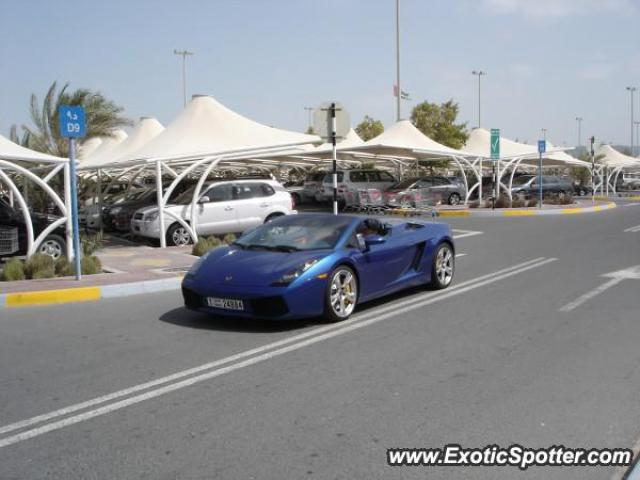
(362, 245)
(204, 199)
(370, 240)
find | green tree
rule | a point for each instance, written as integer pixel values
(103, 116)
(369, 128)
(438, 122)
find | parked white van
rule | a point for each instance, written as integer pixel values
(225, 206)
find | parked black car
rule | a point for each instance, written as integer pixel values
(13, 233)
(528, 186)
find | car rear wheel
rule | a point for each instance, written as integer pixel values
(454, 199)
(341, 295)
(54, 246)
(178, 236)
(443, 267)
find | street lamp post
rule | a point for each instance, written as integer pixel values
(183, 54)
(398, 91)
(637, 123)
(479, 73)
(579, 120)
(309, 110)
(632, 91)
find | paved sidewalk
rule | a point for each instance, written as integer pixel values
(126, 264)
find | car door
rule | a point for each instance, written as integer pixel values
(217, 213)
(252, 204)
(383, 265)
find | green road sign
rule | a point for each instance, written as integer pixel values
(495, 143)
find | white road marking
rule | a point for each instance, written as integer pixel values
(458, 234)
(633, 229)
(615, 278)
(634, 204)
(458, 255)
(317, 335)
(241, 355)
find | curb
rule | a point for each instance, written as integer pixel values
(86, 294)
(535, 213)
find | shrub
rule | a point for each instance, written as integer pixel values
(502, 202)
(204, 245)
(229, 238)
(91, 243)
(518, 202)
(532, 202)
(64, 268)
(40, 266)
(13, 270)
(90, 265)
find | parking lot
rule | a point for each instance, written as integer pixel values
(535, 343)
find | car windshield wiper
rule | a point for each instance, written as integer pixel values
(285, 248)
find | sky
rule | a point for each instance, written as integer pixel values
(547, 61)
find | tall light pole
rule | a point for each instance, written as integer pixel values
(398, 90)
(579, 120)
(637, 131)
(479, 73)
(631, 91)
(309, 110)
(183, 54)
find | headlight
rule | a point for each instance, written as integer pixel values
(115, 210)
(151, 217)
(289, 277)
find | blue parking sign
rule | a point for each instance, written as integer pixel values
(542, 146)
(72, 122)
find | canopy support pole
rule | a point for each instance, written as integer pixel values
(100, 200)
(159, 199)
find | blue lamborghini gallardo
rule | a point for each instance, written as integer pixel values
(317, 265)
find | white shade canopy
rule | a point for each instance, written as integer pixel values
(103, 153)
(144, 131)
(613, 158)
(88, 147)
(13, 151)
(479, 144)
(206, 127)
(351, 139)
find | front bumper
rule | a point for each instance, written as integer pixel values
(145, 229)
(274, 303)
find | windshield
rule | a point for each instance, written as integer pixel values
(294, 233)
(521, 180)
(186, 197)
(404, 184)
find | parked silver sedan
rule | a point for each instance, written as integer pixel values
(448, 190)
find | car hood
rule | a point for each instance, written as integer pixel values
(252, 268)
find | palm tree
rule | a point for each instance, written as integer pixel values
(103, 116)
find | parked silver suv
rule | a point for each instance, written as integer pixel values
(446, 190)
(223, 207)
(350, 181)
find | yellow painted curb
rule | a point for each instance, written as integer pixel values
(457, 213)
(45, 297)
(519, 213)
(634, 198)
(569, 211)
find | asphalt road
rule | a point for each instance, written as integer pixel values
(531, 355)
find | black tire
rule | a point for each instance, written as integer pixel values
(454, 199)
(273, 216)
(178, 236)
(331, 313)
(54, 245)
(440, 278)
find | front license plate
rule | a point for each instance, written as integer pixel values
(225, 303)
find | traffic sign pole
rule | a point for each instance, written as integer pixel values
(72, 126)
(495, 156)
(542, 147)
(335, 158)
(74, 209)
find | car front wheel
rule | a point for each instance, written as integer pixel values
(341, 295)
(443, 267)
(178, 236)
(54, 246)
(454, 199)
